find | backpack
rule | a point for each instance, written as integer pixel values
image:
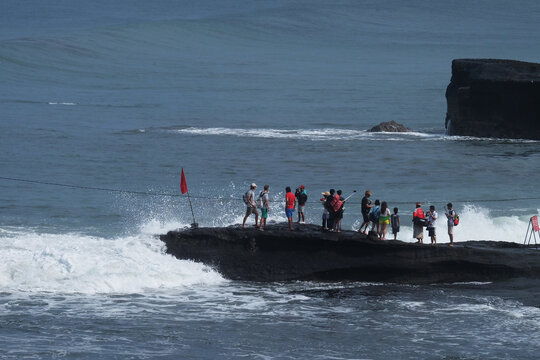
(374, 214)
(337, 203)
(245, 198)
(456, 220)
(420, 222)
(260, 200)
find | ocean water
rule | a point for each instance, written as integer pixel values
(103, 102)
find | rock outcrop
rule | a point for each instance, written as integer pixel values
(494, 98)
(389, 126)
(278, 254)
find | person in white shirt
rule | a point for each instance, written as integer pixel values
(432, 221)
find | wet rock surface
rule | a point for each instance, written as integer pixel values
(389, 126)
(306, 253)
(494, 98)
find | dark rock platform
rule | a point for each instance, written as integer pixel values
(278, 254)
(389, 126)
(494, 98)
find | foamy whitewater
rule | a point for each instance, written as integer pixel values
(103, 103)
(73, 263)
(76, 263)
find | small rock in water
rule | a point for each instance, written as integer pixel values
(389, 126)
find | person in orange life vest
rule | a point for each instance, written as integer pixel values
(290, 204)
(337, 205)
(418, 229)
(330, 208)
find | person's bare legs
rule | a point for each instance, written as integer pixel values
(383, 231)
(245, 218)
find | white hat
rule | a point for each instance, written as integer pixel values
(253, 185)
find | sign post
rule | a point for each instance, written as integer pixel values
(534, 228)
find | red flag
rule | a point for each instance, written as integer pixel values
(183, 183)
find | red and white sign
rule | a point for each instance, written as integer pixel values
(534, 221)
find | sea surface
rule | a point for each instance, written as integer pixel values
(102, 103)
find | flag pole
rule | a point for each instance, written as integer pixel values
(194, 225)
(183, 190)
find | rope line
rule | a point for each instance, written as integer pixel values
(90, 187)
(149, 193)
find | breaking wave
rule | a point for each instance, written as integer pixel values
(75, 263)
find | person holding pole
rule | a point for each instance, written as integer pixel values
(366, 207)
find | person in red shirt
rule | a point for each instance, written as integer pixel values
(290, 204)
(418, 228)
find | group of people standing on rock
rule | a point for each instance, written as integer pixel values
(291, 200)
(429, 220)
(377, 215)
(334, 205)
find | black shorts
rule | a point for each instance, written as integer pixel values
(431, 231)
(366, 217)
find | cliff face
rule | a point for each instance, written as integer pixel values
(494, 98)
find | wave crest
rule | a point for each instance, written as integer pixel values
(74, 263)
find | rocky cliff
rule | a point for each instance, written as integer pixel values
(278, 254)
(494, 98)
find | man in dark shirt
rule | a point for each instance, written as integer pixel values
(330, 208)
(366, 207)
(301, 199)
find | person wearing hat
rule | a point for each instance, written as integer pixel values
(301, 198)
(418, 227)
(249, 200)
(325, 213)
(366, 207)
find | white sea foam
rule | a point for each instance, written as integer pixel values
(476, 223)
(332, 134)
(74, 263)
(323, 134)
(62, 103)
